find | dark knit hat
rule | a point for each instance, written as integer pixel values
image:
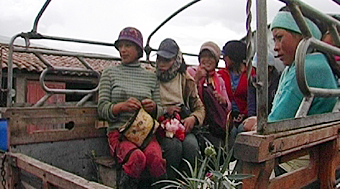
(235, 50)
(131, 34)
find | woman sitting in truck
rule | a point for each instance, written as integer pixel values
(123, 90)
(288, 98)
(236, 82)
(213, 93)
(184, 109)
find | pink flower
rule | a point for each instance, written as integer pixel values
(173, 127)
(209, 175)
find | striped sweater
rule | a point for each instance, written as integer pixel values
(118, 84)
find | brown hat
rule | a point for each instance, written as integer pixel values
(213, 48)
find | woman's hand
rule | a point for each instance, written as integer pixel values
(130, 105)
(200, 73)
(189, 123)
(250, 124)
(172, 109)
(220, 98)
(149, 105)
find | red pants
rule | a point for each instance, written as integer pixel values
(150, 158)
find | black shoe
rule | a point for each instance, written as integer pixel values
(159, 185)
(127, 182)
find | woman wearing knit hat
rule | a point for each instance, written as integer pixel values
(123, 90)
(213, 93)
(235, 78)
(180, 99)
(208, 57)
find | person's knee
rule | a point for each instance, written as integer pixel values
(190, 142)
(156, 164)
(135, 164)
(171, 144)
(172, 151)
(190, 148)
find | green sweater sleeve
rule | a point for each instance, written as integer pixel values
(104, 101)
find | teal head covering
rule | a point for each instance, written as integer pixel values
(286, 21)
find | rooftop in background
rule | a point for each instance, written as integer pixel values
(29, 62)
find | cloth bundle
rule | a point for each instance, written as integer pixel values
(140, 128)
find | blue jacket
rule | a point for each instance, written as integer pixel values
(289, 97)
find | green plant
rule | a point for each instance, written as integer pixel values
(92, 156)
(210, 173)
(219, 174)
(195, 180)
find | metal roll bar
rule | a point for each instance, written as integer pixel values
(66, 91)
(301, 53)
(33, 34)
(149, 49)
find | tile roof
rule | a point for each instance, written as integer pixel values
(29, 62)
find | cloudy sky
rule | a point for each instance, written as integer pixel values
(101, 20)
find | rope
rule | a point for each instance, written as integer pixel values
(248, 38)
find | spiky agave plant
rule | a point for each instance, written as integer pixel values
(195, 180)
(211, 173)
(219, 175)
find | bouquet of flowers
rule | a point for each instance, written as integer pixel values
(173, 126)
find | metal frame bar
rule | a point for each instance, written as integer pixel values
(149, 49)
(262, 68)
(300, 68)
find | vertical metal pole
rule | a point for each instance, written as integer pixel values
(10, 90)
(1, 50)
(36, 21)
(262, 65)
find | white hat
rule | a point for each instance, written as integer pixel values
(271, 61)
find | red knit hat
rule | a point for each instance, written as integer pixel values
(131, 34)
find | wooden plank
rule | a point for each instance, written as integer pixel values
(52, 175)
(57, 135)
(291, 156)
(252, 147)
(249, 147)
(301, 177)
(298, 123)
(322, 166)
(261, 172)
(329, 152)
(83, 120)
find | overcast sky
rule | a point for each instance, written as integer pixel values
(101, 20)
